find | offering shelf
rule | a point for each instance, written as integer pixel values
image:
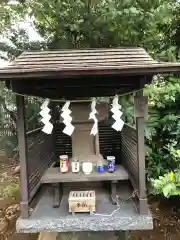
(53, 175)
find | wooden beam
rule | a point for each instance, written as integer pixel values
(72, 88)
(74, 93)
(23, 156)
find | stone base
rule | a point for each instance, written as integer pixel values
(93, 236)
(46, 218)
(84, 235)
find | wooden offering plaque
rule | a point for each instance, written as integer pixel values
(82, 201)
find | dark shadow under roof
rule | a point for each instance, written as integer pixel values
(68, 63)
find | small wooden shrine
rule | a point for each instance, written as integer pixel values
(78, 76)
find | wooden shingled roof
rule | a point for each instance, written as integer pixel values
(118, 61)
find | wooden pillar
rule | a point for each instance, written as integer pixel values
(140, 103)
(114, 192)
(22, 156)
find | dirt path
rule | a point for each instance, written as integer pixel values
(9, 203)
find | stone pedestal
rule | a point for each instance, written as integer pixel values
(114, 235)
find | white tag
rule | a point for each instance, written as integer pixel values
(92, 116)
(46, 119)
(45, 103)
(118, 125)
(67, 120)
(115, 101)
(69, 129)
(66, 106)
(48, 128)
(117, 115)
(66, 113)
(94, 111)
(93, 105)
(94, 129)
(114, 109)
(44, 111)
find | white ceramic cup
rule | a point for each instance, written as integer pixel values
(87, 167)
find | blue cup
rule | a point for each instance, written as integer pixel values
(100, 168)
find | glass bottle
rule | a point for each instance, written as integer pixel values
(75, 166)
(111, 164)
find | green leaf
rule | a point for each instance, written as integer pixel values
(168, 188)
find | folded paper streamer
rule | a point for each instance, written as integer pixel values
(92, 116)
(69, 128)
(119, 123)
(48, 127)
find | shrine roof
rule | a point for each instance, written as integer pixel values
(69, 63)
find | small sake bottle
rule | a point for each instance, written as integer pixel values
(75, 166)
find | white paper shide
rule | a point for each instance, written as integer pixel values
(92, 116)
(119, 123)
(48, 127)
(69, 128)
